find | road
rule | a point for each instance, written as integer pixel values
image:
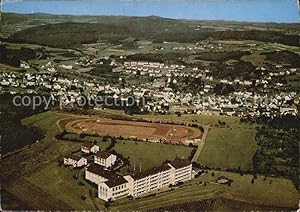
(200, 144)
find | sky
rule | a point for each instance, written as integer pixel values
(280, 11)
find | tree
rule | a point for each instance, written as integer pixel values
(107, 204)
(83, 197)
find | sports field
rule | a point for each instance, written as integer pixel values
(133, 129)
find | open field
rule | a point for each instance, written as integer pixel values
(149, 155)
(130, 129)
(264, 191)
(60, 182)
(36, 196)
(146, 154)
(229, 148)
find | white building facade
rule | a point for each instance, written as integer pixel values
(75, 161)
(112, 187)
(96, 174)
(105, 159)
(89, 148)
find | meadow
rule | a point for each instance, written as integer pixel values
(229, 148)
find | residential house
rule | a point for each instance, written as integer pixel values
(105, 159)
(75, 161)
(89, 148)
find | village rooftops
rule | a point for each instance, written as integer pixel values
(74, 157)
(180, 163)
(103, 154)
(113, 182)
(98, 170)
(153, 171)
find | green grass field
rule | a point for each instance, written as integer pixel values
(229, 148)
(60, 182)
(150, 155)
(280, 192)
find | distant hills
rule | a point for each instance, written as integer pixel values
(67, 31)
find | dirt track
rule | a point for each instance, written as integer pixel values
(132, 129)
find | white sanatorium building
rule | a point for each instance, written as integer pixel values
(112, 186)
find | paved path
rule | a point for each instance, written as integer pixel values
(200, 144)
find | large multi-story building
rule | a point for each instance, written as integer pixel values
(181, 171)
(112, 186)
(149, 180)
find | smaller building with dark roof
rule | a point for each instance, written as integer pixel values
(105, 159)
(75, 160)
(89, 147)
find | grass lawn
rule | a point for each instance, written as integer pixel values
(269, 191)
(191, 191)
(60, 181)
(45, 121)
(99, 140)
(150, 155)
(229, 148)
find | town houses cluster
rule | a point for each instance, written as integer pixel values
(112, 186)
(159, 95)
